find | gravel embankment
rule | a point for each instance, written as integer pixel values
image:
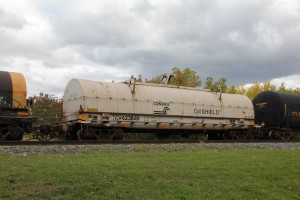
(109, 148)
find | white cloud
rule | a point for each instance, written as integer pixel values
(292, 81)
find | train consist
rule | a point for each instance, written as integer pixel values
(96, 110)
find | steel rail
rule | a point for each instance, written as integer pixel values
(116, 142)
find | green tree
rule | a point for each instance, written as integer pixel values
(282, 88)
(187, 77)
(47, 109)
(221, 83)
(253, 90)
(209, 83)
(296, 91)
(139, 79)
(232, 90)
(241, 89)
(156, 80)
(268, 86)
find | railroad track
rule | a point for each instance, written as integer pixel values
(96, 142)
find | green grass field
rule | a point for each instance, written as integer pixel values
(207, 174)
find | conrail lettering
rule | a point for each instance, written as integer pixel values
(161, 103)
(204, 111)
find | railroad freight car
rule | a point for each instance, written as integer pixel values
(14, 119)
(278, 113)
(105, 110)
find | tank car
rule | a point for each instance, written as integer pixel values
(14, 119)
(105, 110)
(278, 113)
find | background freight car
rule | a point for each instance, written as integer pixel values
(14, 119)
(277, 110)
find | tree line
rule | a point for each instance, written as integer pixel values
(189, 78)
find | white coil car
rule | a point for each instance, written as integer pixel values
(105, 110)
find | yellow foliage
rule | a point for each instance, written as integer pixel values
(257, 88)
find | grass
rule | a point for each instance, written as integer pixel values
(245, 174)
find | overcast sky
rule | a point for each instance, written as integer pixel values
(53, 41)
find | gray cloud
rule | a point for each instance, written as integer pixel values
(10, 20)
(242, 41)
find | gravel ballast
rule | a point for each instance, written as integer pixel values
(130, 148)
